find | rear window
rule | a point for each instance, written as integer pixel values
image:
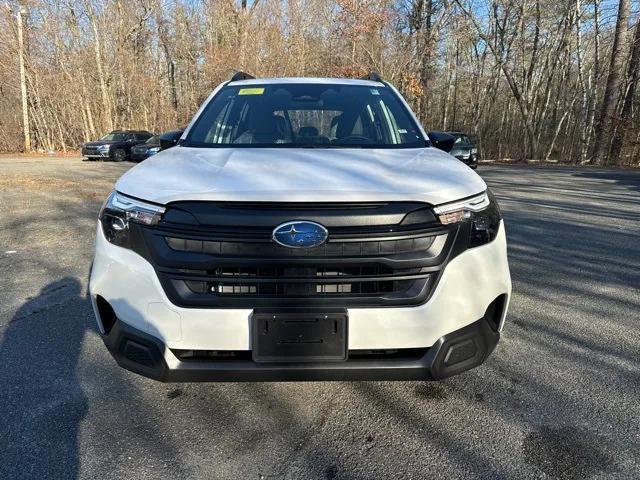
(305, 115)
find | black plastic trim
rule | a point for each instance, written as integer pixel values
(254, 215)
(241, 76)
(430, 366)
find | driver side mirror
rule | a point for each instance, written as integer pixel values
(441, 140)
(170, 139)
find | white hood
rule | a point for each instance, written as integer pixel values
(301, 175)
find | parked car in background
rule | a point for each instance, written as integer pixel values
(153, 145)
(144, 150)
(115, 145)
(464, 149)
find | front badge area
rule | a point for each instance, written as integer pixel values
(300, 234)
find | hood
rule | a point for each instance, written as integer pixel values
(301, 175)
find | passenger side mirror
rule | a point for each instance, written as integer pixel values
(442, 141)
(170, 139)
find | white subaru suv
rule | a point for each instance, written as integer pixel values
(301, 229)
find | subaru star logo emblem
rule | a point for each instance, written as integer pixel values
(300, 234)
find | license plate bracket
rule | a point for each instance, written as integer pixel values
(299, 336)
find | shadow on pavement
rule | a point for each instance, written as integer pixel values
(42, 401)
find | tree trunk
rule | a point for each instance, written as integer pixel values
(607, 117)
(627, 104)
(23, 82)
(97, 50)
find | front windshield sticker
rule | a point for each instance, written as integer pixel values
(251, 91)
(374, 91)
(402, 130)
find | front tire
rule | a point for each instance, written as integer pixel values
(119, 155)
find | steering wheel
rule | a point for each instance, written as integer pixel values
(352, 139)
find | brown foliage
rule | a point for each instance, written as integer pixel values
(525, 77)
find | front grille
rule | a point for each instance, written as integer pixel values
(239, 266)
(332, 249)
(306, 281)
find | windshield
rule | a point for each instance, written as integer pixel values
(305, 115)
(118, 137)
(461, 139)
(155, 140)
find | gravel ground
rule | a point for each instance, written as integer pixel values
(559, 398)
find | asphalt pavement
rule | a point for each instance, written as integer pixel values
(559, 398)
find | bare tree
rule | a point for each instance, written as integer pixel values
(607, 118)
(23, 79)
(524, 76)
(633, 70)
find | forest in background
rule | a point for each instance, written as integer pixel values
(528, 79)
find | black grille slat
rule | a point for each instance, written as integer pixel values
(331, 249)
(303, 289)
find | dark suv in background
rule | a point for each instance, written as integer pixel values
(464, 149)
(153, 145)
(115, 146)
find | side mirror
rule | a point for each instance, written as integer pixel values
(441, 140)
(170, 139)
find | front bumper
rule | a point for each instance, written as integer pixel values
(453, 353)
(94, 154)
(128, 283)
(471, 160)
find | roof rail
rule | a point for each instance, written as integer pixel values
(373, 76)
(241, 76)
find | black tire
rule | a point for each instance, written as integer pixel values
(120, 155)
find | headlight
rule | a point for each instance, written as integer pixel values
(460, 154)
(153, 150)
(119, 210)
(481, 212)
(103, 148)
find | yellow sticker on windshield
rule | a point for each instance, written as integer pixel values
(251, 91)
